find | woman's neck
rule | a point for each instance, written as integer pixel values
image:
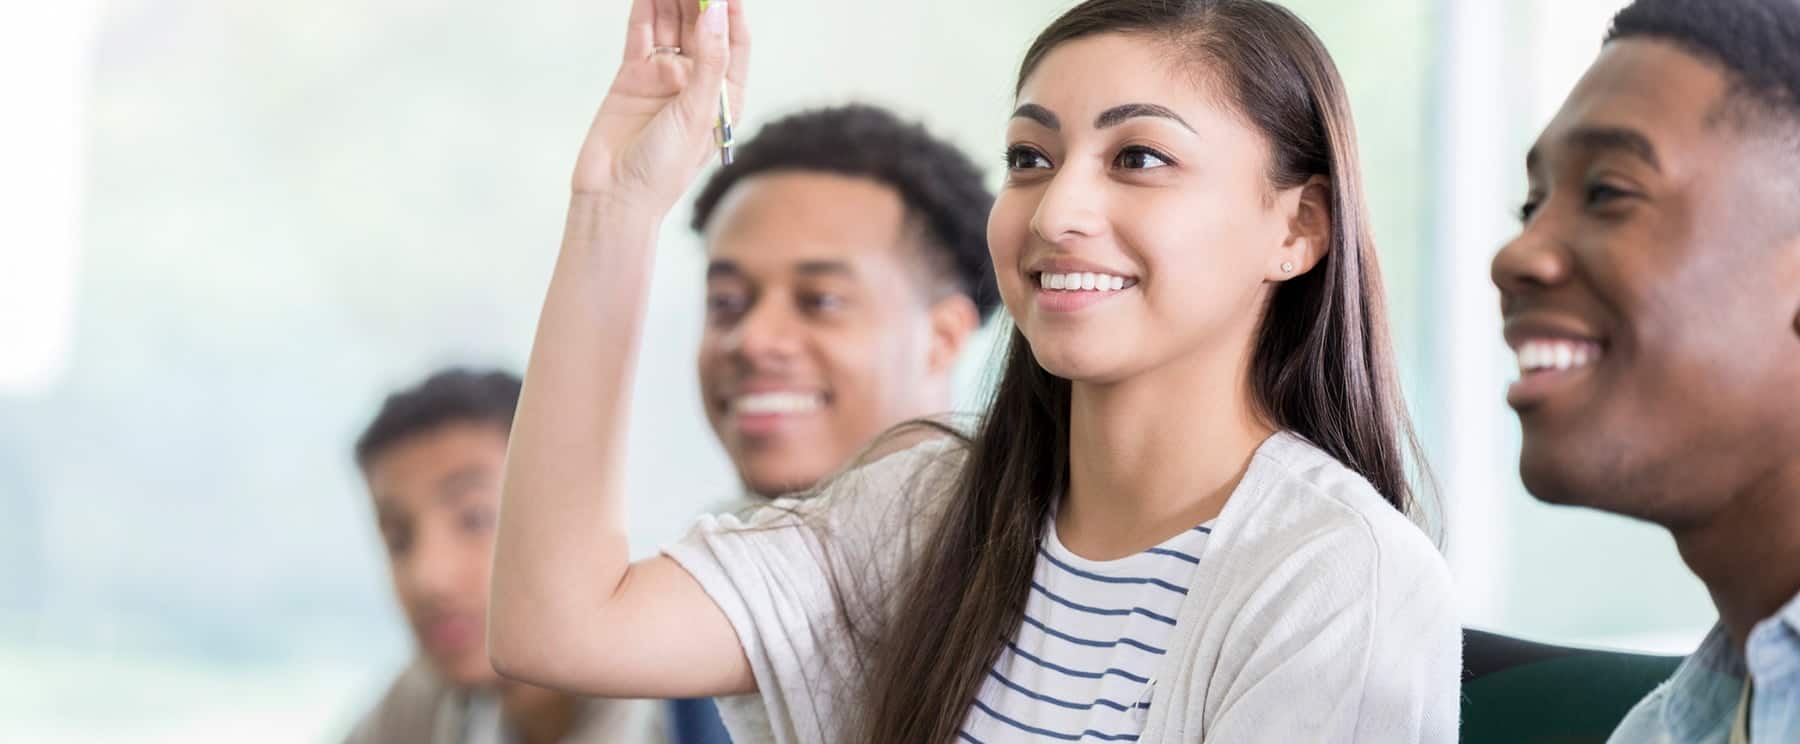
(1155, 455)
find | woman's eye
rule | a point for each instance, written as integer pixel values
(1140, 158)
(1025, 158)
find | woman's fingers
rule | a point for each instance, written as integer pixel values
(640, 30)
(709, 46)
(672, 21)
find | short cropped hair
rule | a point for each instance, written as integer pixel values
(940, 185)
(1757, 42)
(449, 396)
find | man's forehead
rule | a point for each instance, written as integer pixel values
(805, 206)
(400, 491)
(1648, 87)
(809, 248)
(807, 264)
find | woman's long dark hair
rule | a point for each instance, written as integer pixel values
(1322, 368)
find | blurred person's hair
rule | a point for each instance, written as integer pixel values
(1757, 42)
(941, 187)
(451, 396)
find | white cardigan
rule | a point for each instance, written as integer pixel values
(1318, 614)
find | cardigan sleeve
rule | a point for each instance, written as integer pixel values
(1350, 636)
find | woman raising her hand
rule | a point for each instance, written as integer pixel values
(1182, 517)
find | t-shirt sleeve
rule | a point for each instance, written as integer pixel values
(800, 578)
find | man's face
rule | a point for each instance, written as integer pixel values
(822, 329)
(436, 497)
(1653, 293)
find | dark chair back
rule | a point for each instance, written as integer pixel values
(1520, 692)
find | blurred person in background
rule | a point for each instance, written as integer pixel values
(848, 268)
(1653, 298)
(431, 459)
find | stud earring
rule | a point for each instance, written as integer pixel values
(1287, 267)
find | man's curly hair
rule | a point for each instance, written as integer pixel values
(450, 396)
(940, 186)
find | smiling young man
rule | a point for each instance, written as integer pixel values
(848, 266)
(1653, 298)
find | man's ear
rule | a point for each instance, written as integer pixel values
(953, 320)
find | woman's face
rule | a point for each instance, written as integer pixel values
(1136, 228)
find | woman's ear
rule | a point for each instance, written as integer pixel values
(1309, 219)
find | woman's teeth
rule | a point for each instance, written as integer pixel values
(1081, 282)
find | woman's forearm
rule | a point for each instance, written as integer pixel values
(561, 547)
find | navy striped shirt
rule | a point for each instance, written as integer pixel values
(1082, 665)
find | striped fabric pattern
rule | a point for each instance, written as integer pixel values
(1081, 667)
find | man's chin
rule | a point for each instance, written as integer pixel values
(1547, 468)
(774, 481)
(1562, 475)
(782, 487)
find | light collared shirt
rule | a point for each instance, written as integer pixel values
(1698, 704)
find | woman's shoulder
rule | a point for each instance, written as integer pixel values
(905, 470)
(906, 458)
(895, 488)
(1308, 496)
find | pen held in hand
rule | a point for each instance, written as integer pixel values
(722, 132)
